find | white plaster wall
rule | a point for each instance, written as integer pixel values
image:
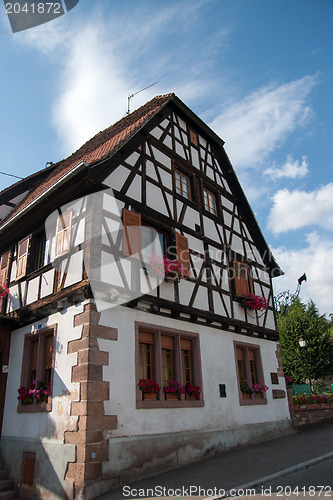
(44, 426)
(118, 177)
(134, 191)
(218, 367)
(33, 286)
(162, 158)
(47, 283)
(155, 199)
(133, 158)
(168, 141)
(156, 132)
(74, 273)
(13, 301)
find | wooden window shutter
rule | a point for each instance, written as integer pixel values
(63, 233)
(22, 257)
(242, 278)
(4, 267)
(132, 233)
(183, 254)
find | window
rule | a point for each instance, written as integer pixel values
(63, 233)
(165, 354)
(38, 363)
(150, 236)
(210, 201)
(183, 184)
(249, 367)
(22, 257)
(242, 278)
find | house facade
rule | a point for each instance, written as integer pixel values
(90, 313)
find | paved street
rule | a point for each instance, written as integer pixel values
(249, 467)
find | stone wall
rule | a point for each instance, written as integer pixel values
(309, 414)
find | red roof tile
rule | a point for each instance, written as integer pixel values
(102, 145)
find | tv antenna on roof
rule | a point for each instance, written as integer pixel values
(138, 92)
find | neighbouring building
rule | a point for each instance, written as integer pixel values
(88, 317)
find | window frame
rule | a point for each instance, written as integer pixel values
(208, 207)
(177, 335)
(246, 347)
(29, 338)
(179, 171)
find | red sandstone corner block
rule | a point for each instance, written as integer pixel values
(87, 372)
(75, 437)
(92, 453)
(92, 356)
(104, 332)
(103, 422)
(94, 390)
(81, 472)
(81, 344)
(87, 408)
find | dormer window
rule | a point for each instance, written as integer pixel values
(183, 184)
(210, 201)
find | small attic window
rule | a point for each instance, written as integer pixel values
(194, 138)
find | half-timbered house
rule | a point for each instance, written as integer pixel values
(88, 317)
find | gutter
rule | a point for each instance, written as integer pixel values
(82, 165)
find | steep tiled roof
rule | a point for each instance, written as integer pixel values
(101, 146)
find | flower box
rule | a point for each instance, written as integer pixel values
(254, 302)
(192, 392)
(173, 390)
(162, 267)
(38, 392)
(190, 397)
(171, 396)
(151, 396)
(148, 388)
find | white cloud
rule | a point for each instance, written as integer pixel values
(103, 60)
(295, 209)
(313, 260)
(255, 126)
(292, 169)
(94, 89)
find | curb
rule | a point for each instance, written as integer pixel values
(271, 477)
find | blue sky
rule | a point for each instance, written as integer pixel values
(259, 72)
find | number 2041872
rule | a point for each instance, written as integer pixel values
(34, 8)
(310, 491)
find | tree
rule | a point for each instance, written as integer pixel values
(304, 320)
